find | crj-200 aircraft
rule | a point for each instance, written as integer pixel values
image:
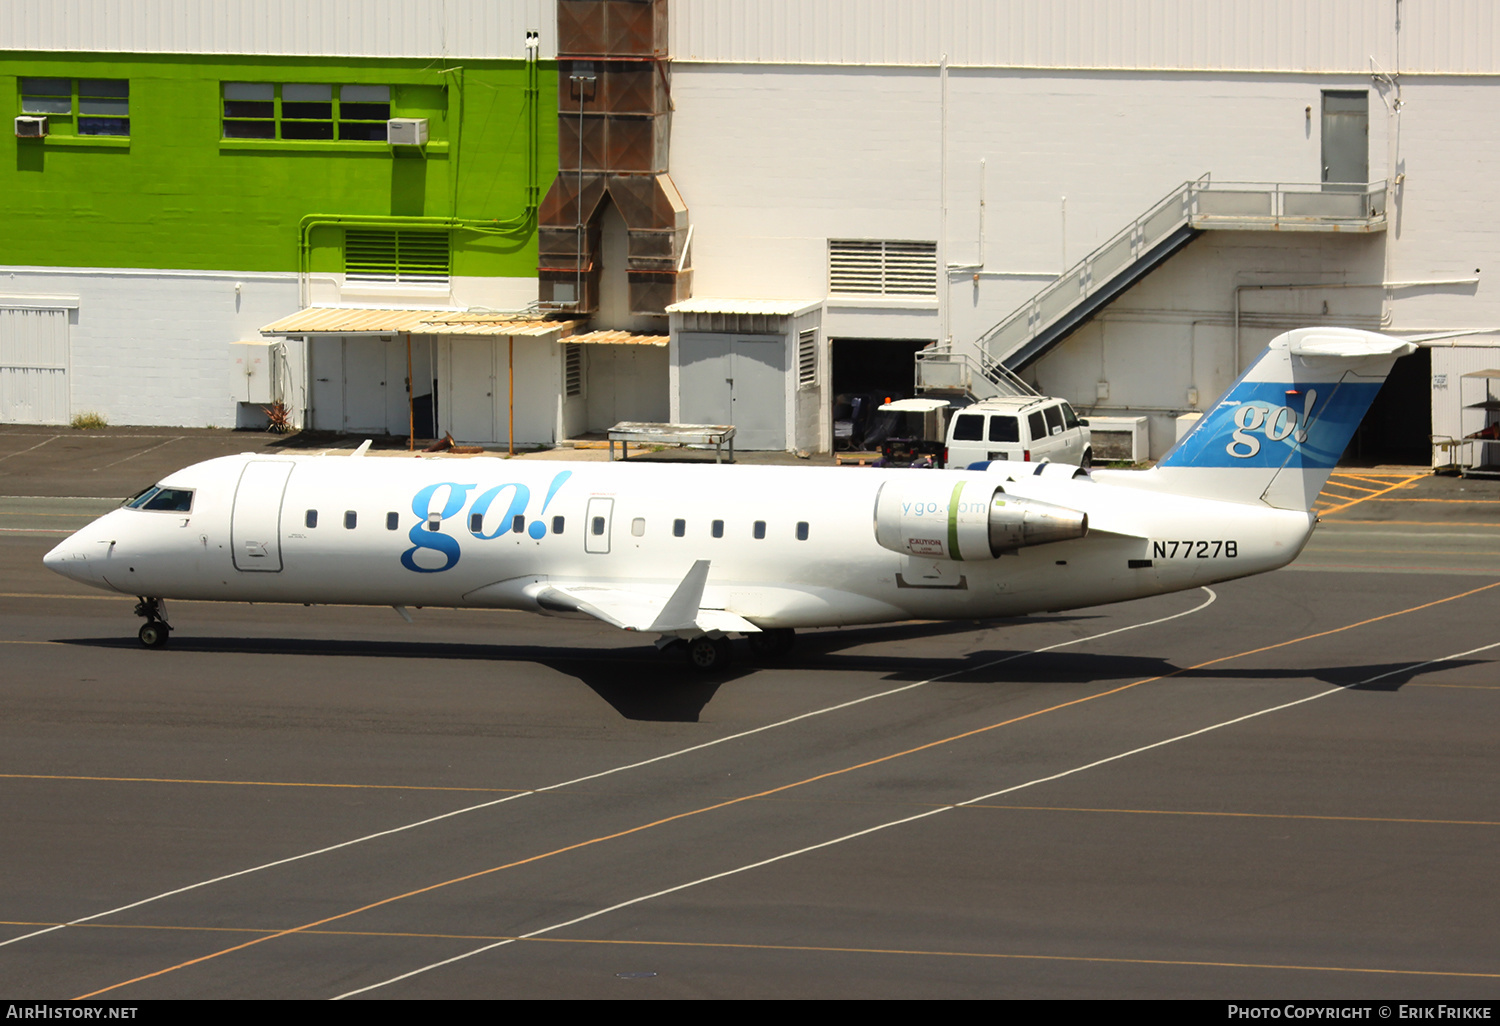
(695, 554)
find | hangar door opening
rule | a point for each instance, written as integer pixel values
(864, 373)
(1396, 428)
(34, 366)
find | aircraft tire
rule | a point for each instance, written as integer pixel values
(772, 643)
(707, 655)
(154, 634)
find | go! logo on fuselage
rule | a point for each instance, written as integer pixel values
(425, 534)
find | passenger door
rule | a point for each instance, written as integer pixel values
(255, 525)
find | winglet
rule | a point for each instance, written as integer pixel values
(681, 610)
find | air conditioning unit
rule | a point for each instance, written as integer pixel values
(406, 131)
(31, 127)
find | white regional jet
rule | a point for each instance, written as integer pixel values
(694, 554)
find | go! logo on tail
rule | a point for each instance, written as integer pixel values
(1277, 423)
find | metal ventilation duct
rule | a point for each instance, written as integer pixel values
(614, 121)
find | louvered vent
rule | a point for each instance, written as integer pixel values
(396, 257)
(573, 369)
(872, 267)
(807, 359)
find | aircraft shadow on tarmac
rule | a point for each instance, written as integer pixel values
(643, 684)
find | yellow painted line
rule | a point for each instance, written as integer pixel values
(1372, 495)
(1346, 484)
(1471, 687)
(256, 783)
(478, 874)
(828, 949)
(1425, 552)
(121, 597)
(1428, 523)
(1472, 502)
(1391, 470)
(1244, 815)
(1375, 477)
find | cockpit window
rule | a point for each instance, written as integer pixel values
(134, 502)
(171, 500)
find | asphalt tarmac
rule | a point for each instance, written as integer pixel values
(1282, 787)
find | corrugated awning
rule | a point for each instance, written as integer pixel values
(608, 337)
(345, 320)
(752, 307)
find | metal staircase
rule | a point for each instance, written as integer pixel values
(989, 366)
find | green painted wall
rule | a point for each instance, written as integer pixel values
(178, 195)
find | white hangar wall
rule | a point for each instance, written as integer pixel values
(136, 338)
(1416, 36)
(778, 159)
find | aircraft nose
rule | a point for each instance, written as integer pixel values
(70, 559)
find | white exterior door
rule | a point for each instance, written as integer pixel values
(34, 367)
(468, 408)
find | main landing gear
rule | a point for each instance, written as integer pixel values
(707, 654)
(155, 630)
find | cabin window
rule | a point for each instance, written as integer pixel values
(638, 526)
(434, 521)
(311, 520)
(802, 530)
(476, 523)
(557, 525)
(718, 528)
(392, 521)
(598, 525)
(760, 529)
(518, 523)
(350, 519)
(679, 528)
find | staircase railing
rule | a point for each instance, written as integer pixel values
(1125, 247)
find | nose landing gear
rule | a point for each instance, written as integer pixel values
(155, 631)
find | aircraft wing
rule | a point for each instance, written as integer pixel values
(643, 611)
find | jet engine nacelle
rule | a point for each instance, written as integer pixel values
(935, 517)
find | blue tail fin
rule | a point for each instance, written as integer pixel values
(1277, 433)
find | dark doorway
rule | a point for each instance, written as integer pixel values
(865, 373)
(874, 365)
(1396, 427)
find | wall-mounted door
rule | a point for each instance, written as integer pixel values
(1346, 140)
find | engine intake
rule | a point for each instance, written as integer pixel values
(967, 519)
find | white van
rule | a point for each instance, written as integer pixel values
(1038, 429)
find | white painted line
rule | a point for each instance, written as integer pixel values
(604, 773)
(143, 452)
(899, 822)
(22, 452)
